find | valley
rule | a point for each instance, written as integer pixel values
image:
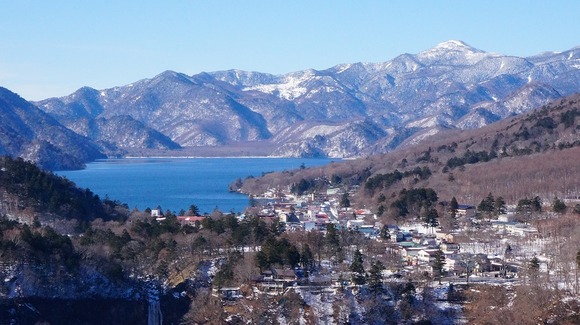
(462, 195)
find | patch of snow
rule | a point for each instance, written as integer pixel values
(425, 122)
(290, 87)
(321, 130)
(343, 68)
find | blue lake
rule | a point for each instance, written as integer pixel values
(177, 183)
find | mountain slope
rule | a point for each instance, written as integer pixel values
(27, 132)
(533, 154)
(345, 111)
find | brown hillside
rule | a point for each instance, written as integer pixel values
(534, 154)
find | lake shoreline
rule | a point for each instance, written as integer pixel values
(175, 183)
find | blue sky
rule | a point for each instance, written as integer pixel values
(52, 48)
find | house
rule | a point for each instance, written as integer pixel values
(506, 218)
(449, 247)
(354, 224)
(445, 237)
(482, 264)
(368, 231)
(289, 217)
(397, 237)
(363, 213)
(332, 191)
(427, 255)
(409, 253)
(191, 220)
(322, 218)
(467, 211)
(454, 264)
(294, 227)
(393, 229)
(284, 275)
(309, 225)
(227, 293)
(515, 228)
(276, 279)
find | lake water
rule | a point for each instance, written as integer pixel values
(177, 183)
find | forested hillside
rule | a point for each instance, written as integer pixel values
(28, 193)
(534, 154)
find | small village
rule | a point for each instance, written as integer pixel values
(478, 251)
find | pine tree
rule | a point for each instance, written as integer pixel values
(430, 217)
(307, 258)
(292, 256)
(332, 241)
(500, 206)
(453, 207)
(193, 210)
(438, 264)
(385, 234)
(357, 268)
(534, 266)
(558, 205)
(345, 201)
(375, 279)
(487, 205)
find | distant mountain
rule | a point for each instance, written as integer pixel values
(345, 111)
(28, 132)
(114, 134)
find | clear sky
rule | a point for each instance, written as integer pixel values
(52, 48)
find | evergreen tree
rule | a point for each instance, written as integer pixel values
(332, 241)
(558, 205)
(193, 210)
(438, 264)
(276, 228)
(500, 206)
(307, 258)
(292, 256)
(345, 201)
(357, 268)
(408, 294)
(487, 205)
(537, 204)
(534, 267)
(508, 252)
(375, 278)
(453, 207)
(430, 217)
(380, 210)
(385, 234)
(261, 261)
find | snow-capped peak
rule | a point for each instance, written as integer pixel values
(452, 52)
(455, 45)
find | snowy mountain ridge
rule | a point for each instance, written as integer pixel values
(349, 110)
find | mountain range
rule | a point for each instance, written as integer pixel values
(349, 110)
(29, 133)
